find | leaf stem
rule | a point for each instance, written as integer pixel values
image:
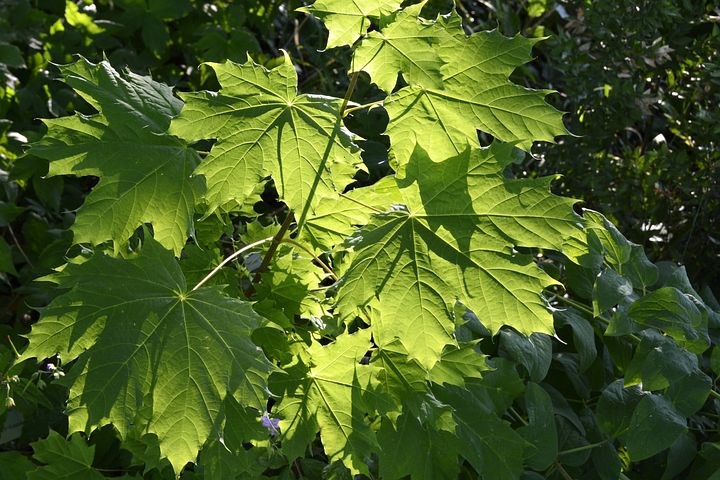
(12, 345)
(19, 247)
(348, 94)
(230, 259)
(274, 246)
(582, 449)
(361, 107)
(563, 472)
(581, 307)
(519, 417)
(714, 394)
(309, 252)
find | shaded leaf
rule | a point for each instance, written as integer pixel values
(150, 354)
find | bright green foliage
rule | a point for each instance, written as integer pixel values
(348, 21)
(144, 172)
(404, 45)
(151, 356)
(326, 391)
(337, 216)
(66, 459)
(475, 95)
(263, 127)
(451, 239)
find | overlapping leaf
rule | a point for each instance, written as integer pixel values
(263, 127)
(64, 459)
(144, 172)
(151, 355)
(327, 395)
(349, 20)
(405, 44)
(451, 240)
(475, 95)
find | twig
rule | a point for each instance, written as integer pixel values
(273, 246)
(17, 244)
(230, 259)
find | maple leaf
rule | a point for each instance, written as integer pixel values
(325, 392)
(144, 172)
(403, 44)
(150, 355)
(70, 459)
(349, 20)
(452, 239)
(475, 95)
(263, 127)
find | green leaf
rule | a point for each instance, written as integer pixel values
(673, 313)
(144, 172)
(64, 459)
(493, 448)
(419, 451)
(660, 363)
(348, 21)
(475, 95)
(216, 461)
(286, 290)
(654, 426)
(533, 352)
(337, 217)
(457, 364)
(264, 128)
(609, 290)
(400, 376)
(11, 56)
(404, 44)
(583, 336)
(616, 406)
(326, 394)
(681, 454)
(15, 465)
(151, 355)
(626, 257)
(451, 240)
(540, 430)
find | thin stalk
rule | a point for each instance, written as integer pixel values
(581, 307)
(519, 417)
(563, 472)
(583, 448)
(273, 246)
(348, 94)
(12, 345)
(309, 252)
(361, 107)
(230, 259)
(714, 394)
(17, 244)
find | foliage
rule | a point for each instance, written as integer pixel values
(388, 287)
(641, 79)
